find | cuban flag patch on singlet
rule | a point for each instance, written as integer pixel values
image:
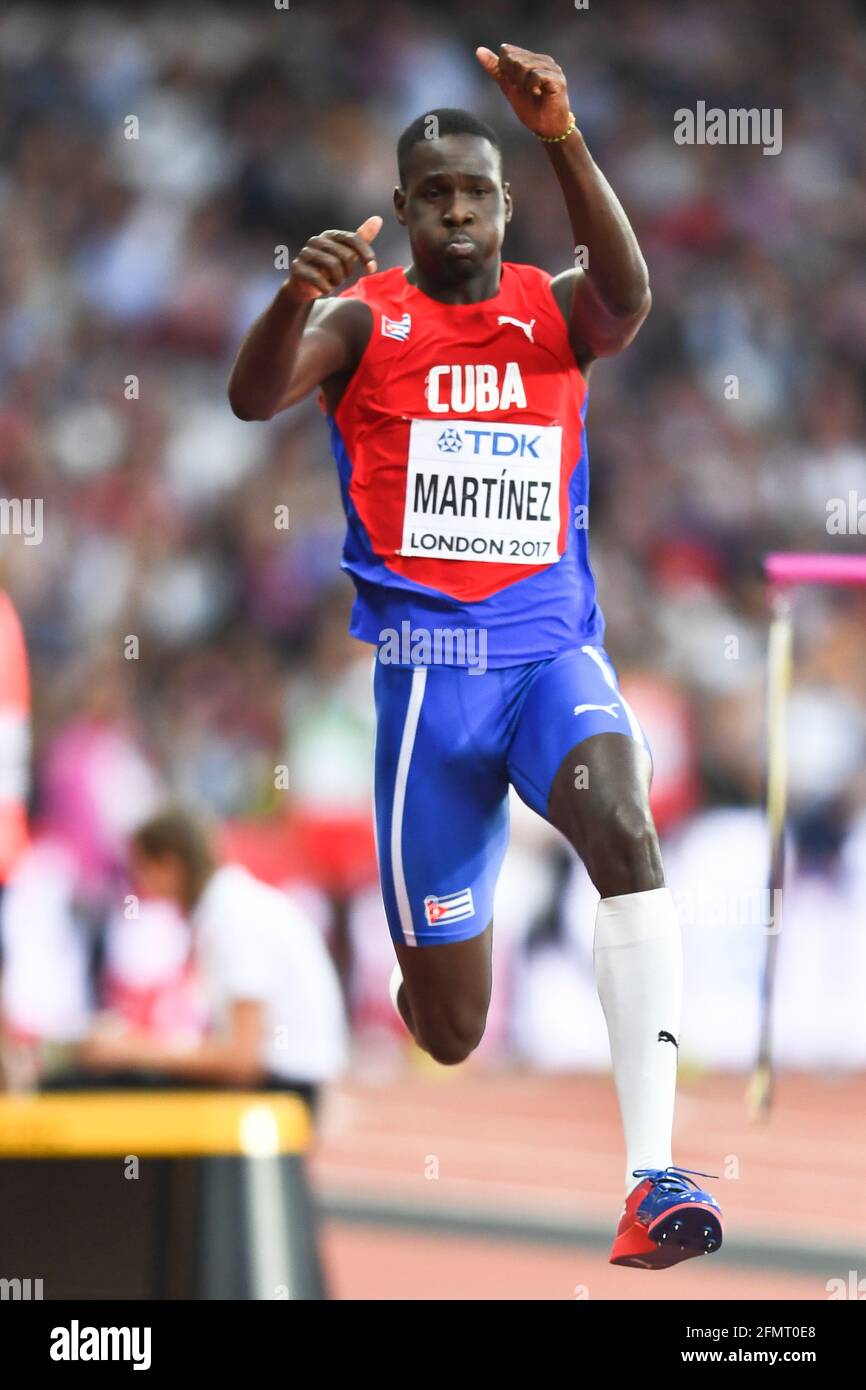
(452, 907)
(397, 328)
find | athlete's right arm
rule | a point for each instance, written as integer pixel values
(303, 338)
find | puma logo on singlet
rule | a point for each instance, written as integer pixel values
(518, 323)
(610, 709)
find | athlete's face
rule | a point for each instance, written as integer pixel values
(454, 205)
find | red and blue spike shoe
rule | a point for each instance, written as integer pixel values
(666, 1218)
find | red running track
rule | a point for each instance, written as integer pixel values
(466, 1148)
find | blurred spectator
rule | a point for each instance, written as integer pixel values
(272, 1002)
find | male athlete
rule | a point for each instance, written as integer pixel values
(455, 392)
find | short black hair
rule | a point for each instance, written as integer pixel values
(449, 120)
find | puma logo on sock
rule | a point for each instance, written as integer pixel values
(668, 1037)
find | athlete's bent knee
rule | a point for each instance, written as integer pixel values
(451, 1042)
(622, 851)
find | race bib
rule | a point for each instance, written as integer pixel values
(482, 491)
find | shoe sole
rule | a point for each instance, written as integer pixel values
(679, 1234)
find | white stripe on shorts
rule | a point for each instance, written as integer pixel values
(607, 672)
(407, 743)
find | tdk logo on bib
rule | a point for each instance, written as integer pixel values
(479, 491)
(450, 442)
(502, 443)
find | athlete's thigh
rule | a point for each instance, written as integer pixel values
(573, 698)
(441, 822)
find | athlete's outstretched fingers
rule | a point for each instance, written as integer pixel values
(326, 260)
(447, 989)
(368, 230)
(307, 281)
(350, 247)
(332, 244)
(489, 62)
(516, 69)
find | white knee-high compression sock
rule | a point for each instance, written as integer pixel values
(639, 973)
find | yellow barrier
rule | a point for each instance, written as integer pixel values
(106, 1124)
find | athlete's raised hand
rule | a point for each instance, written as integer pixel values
(534, 84)
(326, 261)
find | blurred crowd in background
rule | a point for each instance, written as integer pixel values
(184, 645)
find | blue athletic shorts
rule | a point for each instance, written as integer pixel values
(448, 743)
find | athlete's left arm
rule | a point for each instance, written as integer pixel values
(605, 303)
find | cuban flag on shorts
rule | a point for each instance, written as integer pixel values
(453, 907)
(397, 328)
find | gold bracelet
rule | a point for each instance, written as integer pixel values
(554, 139)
